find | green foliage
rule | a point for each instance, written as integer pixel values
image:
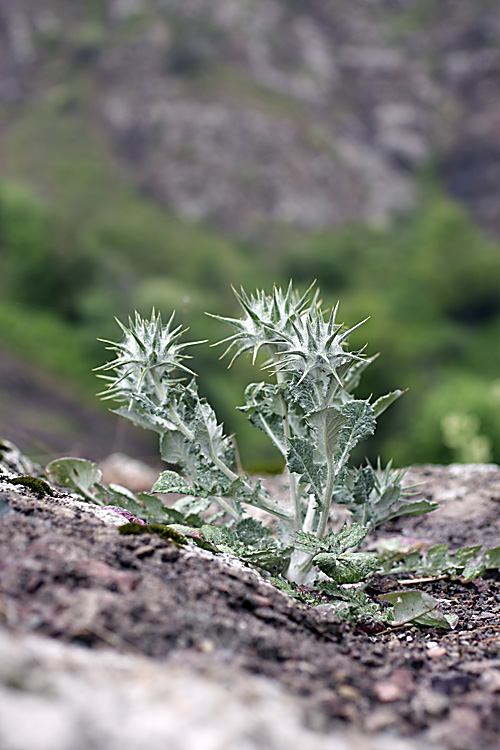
(36, 267)
(466, 563)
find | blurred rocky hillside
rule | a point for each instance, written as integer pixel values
(246, 114)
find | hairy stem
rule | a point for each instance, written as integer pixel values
(227, 507)
(325, 510)
(292, 478)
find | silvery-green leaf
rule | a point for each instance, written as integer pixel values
(300, 460)
(414, 508)
(346, 568)
(221, 536)
(419, 607)
(171, 481)
(359, 424)
(154, 507)
(142, 418)
(191, 506)
(252, 532)
(124, 498)
(353, 376)
(383, 402)
(363, 482)
(466, 554)
(75, 473)
(327, 425)
(265, 409)
(472, 571)
(306, 541)
(175, 448)
(492, 558)
(208, 433)
(269, 558)
(437, 556)
(304, 394)
(348, 537)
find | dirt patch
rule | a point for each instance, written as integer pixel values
(66, 575)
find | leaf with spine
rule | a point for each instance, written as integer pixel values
(300, 460)
(350, 567)
(147, 355)
(77, 474)
(176, 449)
(327, 425)
(266, 322)
(383, 402)
(418, 607)
(353, 377)
(265, 410)
(316, 348)
(360, 424)
(386, 499)
(209, 435)
(414, 508)
(145, 413)
(348, 537)
(304, 394)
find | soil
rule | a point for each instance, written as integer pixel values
(66, 575)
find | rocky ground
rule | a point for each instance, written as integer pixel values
(109, 641)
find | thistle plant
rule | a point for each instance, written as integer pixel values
(305, 405)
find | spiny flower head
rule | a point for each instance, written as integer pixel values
(317, 347)
(147, 355)
(266, 322)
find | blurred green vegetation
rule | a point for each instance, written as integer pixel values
(73, 259)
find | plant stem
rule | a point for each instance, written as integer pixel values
(260, 501)
(227, 507)
(292, 478)
(325, 510)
